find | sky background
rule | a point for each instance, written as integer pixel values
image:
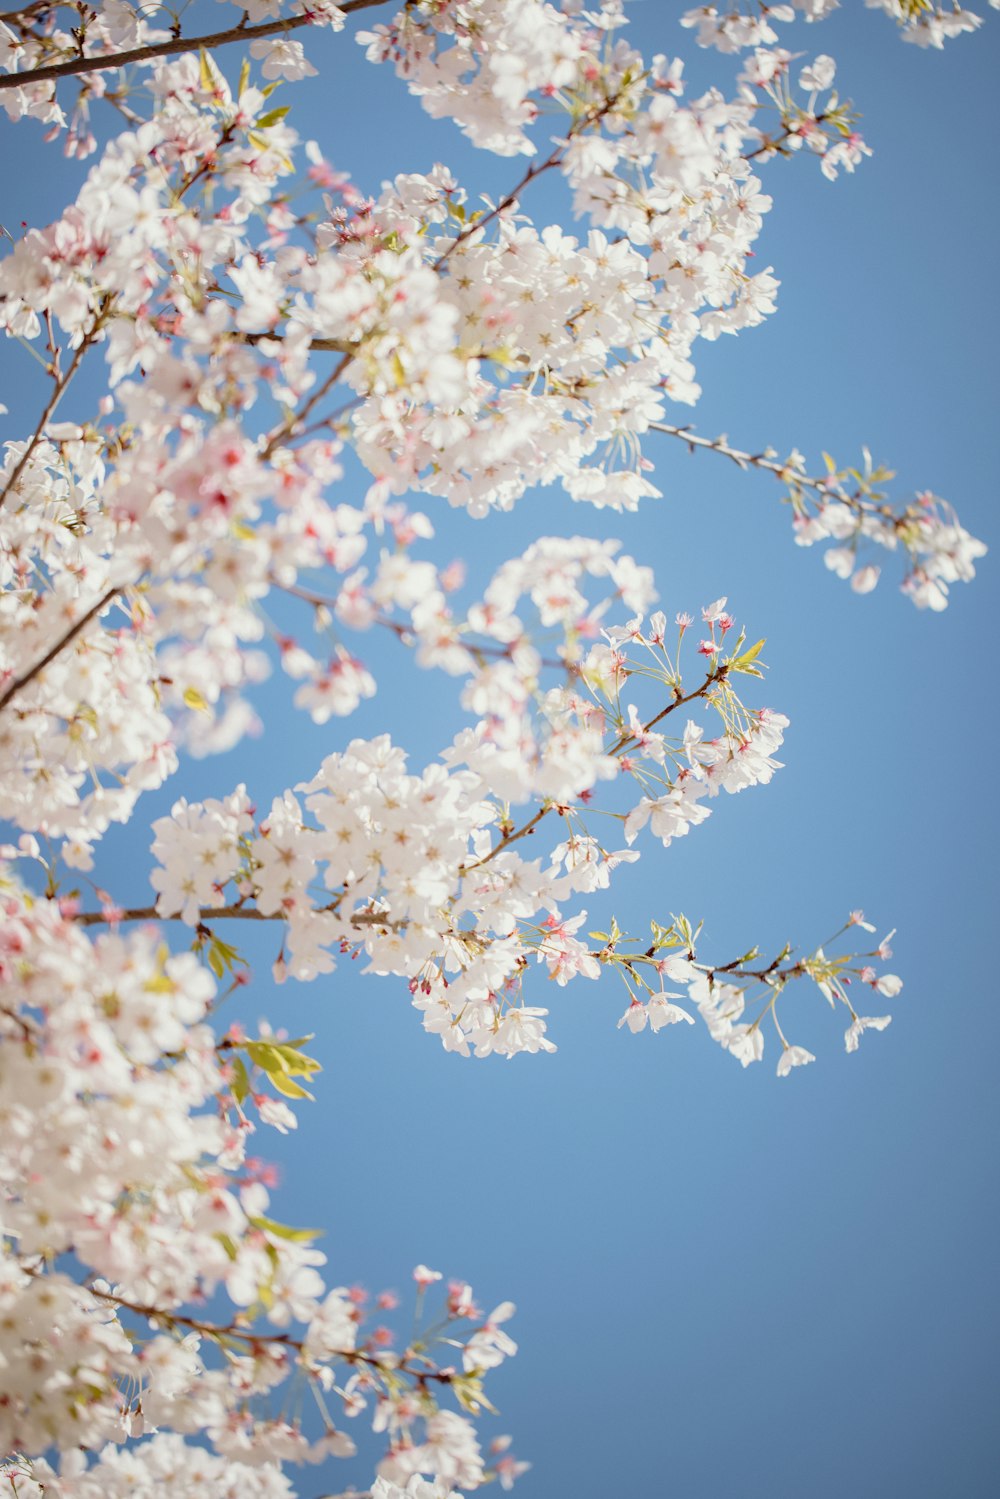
(727, 1285)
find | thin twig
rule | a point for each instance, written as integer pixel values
(13, 16)
(507, 839)
(713, 678)
(535, 170)
(828, 486)
(288, 426)
(406, 634)
(50, 655)
(320, 345)
(232, 1330)
(742, 460)
(57, 394)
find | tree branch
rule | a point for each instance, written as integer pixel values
(783, 471)
(11, 17)
(509, 198)
(62, 381)
(737, 456)
(536, 169)
(225, 913)
(380, 1362)
(713, 678)
(507, 839)
(50, 655)
(321, 345)
(169, 48)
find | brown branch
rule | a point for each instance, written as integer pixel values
(150, 913)
(742, 460)
(13, 16)
(62, 381)
(224, 913)
(381, 1362)
(509, 838)
(777, 143)
(789, 475)
(774, 976)
(529, 827)
(207, 1329)
(713, 678)
(288, 426)
(30, 1030)
(535, 170)
(50, 655)
(406, 634)
(169, 48)
(322, 345)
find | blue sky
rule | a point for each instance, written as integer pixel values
(726, 1284)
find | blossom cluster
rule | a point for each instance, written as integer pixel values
(726, 1006)
(126, 1122)
(922, 22)
(422, 872)
(486, 356)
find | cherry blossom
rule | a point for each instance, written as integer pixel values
(290, 374)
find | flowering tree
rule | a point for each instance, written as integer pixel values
(252, 343)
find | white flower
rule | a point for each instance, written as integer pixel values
(793, 1056)
(282, 58)
(746, 1043)
(862, 1023)
(662, 1012)
(865, 579)
(818, 76)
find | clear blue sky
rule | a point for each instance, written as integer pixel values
(727, 1285)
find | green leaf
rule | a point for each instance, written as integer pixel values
(663, 936)
(288, 1087)
(468, 1391)
(296, 1062)
(279, 1057)
(264, 1056)
(160, 984)
(744, 662)
(205, 73)
(241, 1080)
(282, 1062)
(283, 1231)
(754, 651)
(272, 117)
(684, 927)
(222, 956)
